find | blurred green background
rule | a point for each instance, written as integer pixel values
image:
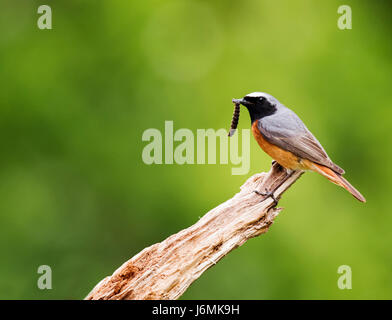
(75, 101)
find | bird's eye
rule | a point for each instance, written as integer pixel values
(261, 99)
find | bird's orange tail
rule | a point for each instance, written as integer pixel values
(337, 179)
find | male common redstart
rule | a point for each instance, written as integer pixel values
(284, 137)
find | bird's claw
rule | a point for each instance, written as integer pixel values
(267, 194)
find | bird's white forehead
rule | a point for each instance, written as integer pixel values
(267, 96)
(257, 94)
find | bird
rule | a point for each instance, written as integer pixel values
(286, 139)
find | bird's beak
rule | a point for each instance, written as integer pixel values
(238, 101)
(241, 101)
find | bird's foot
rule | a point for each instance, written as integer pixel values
(267, 194)
(279, 167)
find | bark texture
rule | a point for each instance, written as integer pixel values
(166, 269)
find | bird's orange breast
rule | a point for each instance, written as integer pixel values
(285, 158)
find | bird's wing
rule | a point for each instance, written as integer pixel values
(287, 131)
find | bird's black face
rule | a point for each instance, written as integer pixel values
(259, 106)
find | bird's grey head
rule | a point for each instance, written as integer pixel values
(259, 104)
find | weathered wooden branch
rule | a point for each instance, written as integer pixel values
(166, 269)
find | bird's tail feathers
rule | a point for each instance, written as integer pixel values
(338, 179)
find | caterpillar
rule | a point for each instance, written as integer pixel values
(234, 121)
